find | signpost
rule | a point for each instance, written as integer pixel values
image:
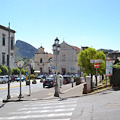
(96, 65)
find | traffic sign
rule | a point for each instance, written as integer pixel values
(53, 67)
(96, 61)
(96, 65)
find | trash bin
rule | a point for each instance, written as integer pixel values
(85, 89)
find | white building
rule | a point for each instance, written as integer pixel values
(67, 59)
(4, 31)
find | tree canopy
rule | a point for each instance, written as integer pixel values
(88, 54)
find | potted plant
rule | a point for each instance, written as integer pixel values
(34, 81)
(41, 80)
(27, 82)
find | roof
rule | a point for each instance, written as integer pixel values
(50, 55)
(76, 48)
(7, 29)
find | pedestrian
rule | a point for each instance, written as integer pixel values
(72, 80)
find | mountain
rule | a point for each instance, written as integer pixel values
(23, 49)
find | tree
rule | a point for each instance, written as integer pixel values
(15, 71)
(88, 54)
(116, 61)
(32, 70)
(84, 58)
(0, 71)
(4, 70)
(23, 71)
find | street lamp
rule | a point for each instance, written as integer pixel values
(8, 62)
(20, 65)
(56, 50)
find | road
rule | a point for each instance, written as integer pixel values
(15, 89)
(100, 106)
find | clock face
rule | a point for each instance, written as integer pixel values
(20, 64)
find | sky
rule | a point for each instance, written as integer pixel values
(92, 23)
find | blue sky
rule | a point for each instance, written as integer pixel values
(93, 23)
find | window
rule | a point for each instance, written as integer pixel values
(63, 57)
(12, 47)
(41, 60)
(3, 58)
(3, 40)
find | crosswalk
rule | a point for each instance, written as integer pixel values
(44, 110)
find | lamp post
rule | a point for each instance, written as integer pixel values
(8, 62)
(56, 50)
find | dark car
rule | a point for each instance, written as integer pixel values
(49, 82)
(66, 79)
(41, 76)
(23, 78)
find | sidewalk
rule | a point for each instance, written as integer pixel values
(66, 91)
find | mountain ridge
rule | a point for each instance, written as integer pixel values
(24, 49)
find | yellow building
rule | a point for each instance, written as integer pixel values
(43, 61)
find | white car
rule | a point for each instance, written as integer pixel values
(3, 79)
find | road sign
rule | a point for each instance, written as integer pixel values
(96, 61)
(53, 67)
(96, 65)
(71, 68)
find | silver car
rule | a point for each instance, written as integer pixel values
(3, 79)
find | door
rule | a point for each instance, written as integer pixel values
(63, 71)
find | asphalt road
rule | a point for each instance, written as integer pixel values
(100, 106)
(15, 89)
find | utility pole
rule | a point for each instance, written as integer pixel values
(8, 96)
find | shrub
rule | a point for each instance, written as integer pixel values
(84, 75)
(32, 76)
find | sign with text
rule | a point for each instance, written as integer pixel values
(109, 67)
(96, 61)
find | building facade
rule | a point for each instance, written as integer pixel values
(66, 59)
(4, 33)
(43, 61)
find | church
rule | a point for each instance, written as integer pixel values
(66, 60)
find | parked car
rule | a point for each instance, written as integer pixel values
(41, 76)
(9, 78)
(3, 79)
(23, 78)
(51, 76)
(66, 79)
(13, 78)
(49, 82)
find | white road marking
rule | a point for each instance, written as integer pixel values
(43, 111)
(37, 116)
(54, 103)
(50, 107)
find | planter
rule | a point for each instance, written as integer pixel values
(27, 82)
(34, 82)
